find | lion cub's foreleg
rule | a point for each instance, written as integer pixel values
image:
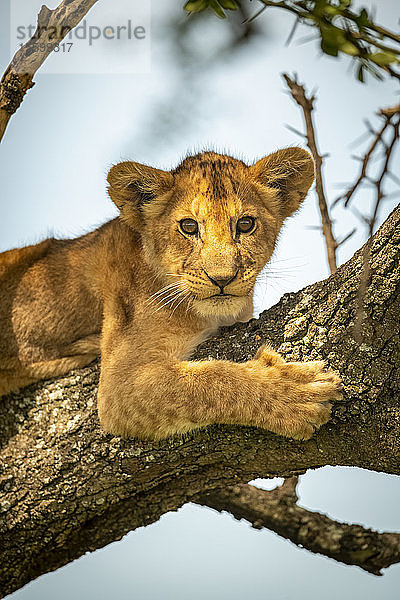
(161, 396)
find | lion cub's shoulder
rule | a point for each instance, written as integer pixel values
(24, 256)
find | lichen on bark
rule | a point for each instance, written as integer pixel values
(66, 487)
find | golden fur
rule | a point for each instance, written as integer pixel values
(144, 293)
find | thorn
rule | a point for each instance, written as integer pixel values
(393, 177)
(346, 237)
(342, 184)
(306, 39)
(336, 202)
(292, 31)
(359, 139)
(360, 216)
(296, 131)
(391, 195)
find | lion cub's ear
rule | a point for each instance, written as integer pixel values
(132, 186)
(290, 171)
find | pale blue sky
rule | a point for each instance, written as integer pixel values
(53, 162)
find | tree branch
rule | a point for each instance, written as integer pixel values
(391, 125)
(307, 105)
(391, 122)
(342, 30)
(67, 488)
(277, 510)
(52, 27)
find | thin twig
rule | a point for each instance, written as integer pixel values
(391, 117)
(307, 104)
(389, 130)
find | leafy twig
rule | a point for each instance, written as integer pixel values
(341, 29)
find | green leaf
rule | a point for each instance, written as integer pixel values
(332, 11)
(360, 73)
(362, 20)
(383, 59)
(332, 38)
(217, 9)
(195, 5)
(228, 4)
(349, 48)
(328, 48)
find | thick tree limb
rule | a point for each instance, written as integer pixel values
(52, 27)
(67, 488)
(277, 510)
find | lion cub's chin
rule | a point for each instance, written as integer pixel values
(225, 310)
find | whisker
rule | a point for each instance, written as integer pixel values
(267, 276)
(191, 301)
(166, 299)
(163, 291)
(182, 291)
(169, 296)
(186, 295)
(175, 295)
(295, 259)
(166, 287)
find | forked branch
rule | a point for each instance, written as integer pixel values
(384, 139)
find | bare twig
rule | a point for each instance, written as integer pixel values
(386, 138)
(52, 27)
(278, 511)
(307, 104)
(390, 127)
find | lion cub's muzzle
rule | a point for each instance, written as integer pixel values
(221, 281)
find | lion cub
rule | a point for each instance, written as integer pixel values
(146, 288)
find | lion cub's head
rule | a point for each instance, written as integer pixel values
(210, 226)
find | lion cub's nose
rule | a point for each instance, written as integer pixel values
(221, 282)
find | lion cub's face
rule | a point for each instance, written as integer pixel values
(210, 226)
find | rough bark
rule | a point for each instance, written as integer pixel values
(67, 488)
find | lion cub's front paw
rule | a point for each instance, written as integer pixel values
(301, 394)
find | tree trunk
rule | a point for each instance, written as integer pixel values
(66, 487)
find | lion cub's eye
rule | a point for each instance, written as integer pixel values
(189, 226)
(245, 224)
